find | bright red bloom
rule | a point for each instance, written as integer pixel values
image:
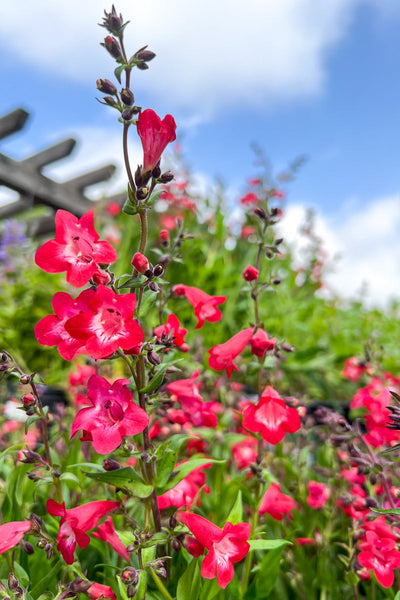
(107, 324)
(318, 494)
(250, 273)
(75, 522)
(205, 306)
(226, 546)
(98, 590)
(260, 343)
(249, 199)
(140, 262)
(275, 503)
(271, 417)
(106, 532)
(155, 135)
(194, 410)
(222, 355)
(380, 555)
(12, 533)
(172, 325)
(354, 368)
(245, 452)
(113, 414)
(185, 492)
(75, 249)
(50, 331)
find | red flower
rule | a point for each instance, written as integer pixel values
(318, 494)
(107, 324)
(250, 273)
(226, 546)
(260, 343)
(275, 503)
(172, 325)
(222, 355)
(75, 522)
(140, 262)
(155, 135)
(205, 306)
(249, 199)
(271, 417)
(107, 533)
(50, 331)
(113, 414)
(380, 555)
(98, 590)
(245, 452)
(186, 491)
(75, 249)
(354, 368)
(12, 533)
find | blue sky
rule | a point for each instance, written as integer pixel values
(311, 77)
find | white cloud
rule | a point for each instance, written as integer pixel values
(209, 54)
(363, 245)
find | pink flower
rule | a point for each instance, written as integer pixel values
(260, 343)
(155, 135)
(75, 522)
(271, 417)
(205, 306)
(107, 324)
(113, 414)
(318, 494)
(12, 533)
(225, 546)
(140, 262)
(50, 331)
(75, 249)
(186, 491)
(244, 452)
(354, 368)
(98, 590)
(380, 555)
(107, 533)
(172, 326)
(250, 273)
(222, 355)
(275, 503)
(249, 199)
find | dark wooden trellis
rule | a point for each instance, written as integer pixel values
(26, 177)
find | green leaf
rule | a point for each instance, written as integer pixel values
(387, 511)
(167, 454)
(188, 584)
(21, 574)
(128, 208)
(154, 197)
(149, 298)
(186, 468)
(71, 477)
(267, 544)
(125, 479)
(118, 72)
(236, 514)
(31, 420)
(122, 589)
(141, 591)
(268, 573)
(157, 380)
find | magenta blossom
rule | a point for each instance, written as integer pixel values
(12, 533)
(379, 554)
(106, 532)
(275, 503)
(75, 522)
(107, 324)
(155, 135)
(75, 249)
(205, 306)
(225, 546)
(173, 329)
(318, 494)
(222, 355)
(113, 414)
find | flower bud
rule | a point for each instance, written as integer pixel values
(140, 262)
(80, 586)
(128, 113)
(153, 358)
(106, 87)
(27, 547)
(158, 270)
(164, 237)
(141, 193)
(250, 273)
(145, 55)
(30, 457)
(142, 66)
(101, 277)
(25, 379)
(153, 286)
(276, 281)
(156, 172)
(113, 23)
(112, 46)
(260, 212)
(127, 97)
(13, 582)
(28, 400)
(129, 575)
(111, 465)
(18, 592)
(166, 177)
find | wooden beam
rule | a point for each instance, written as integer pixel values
(49, 155)
(12, 122)
(14, 208)
(90, 178)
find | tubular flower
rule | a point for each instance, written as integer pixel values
(318, 494)
(380, 555)
(107, 324)
(172, 326)
(106, 532)
(271, 417)
(75, 522)
(275, 503)
(155, 135)
(12, 533)
(225, 546)
(113, 414)
(205, 306)
(222, 355)
(98, 590)
(260, 343)
(75, 249)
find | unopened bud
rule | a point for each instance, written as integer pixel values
(30, 457)
(18, 592)
(41, 543)
(27, 547)
(36, 523)
(166, 177)
(13, 582)
(276, 281)
(153, 358)
(33, 476)
(140, 262)
(112, 22)
(128, 113)
(278, 241)
(141, 193)
(260, 212)
(127, 97)
(28, 400)
(25, 379)
(101, 277)
(129, 575)
(176, 545)
(105, 86)
(80, 586)
(112, 46)
(145, 55)
(164, 237)
(269, 254)
(161, 572)
(158, 270)
(56, 473)
(145, 457)
(111, 465)
(153, 286)
(142, 66)
(287, 347)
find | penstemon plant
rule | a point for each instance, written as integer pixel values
(169, 478)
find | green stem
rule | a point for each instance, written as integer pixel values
(161, 587)
(247, 564)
